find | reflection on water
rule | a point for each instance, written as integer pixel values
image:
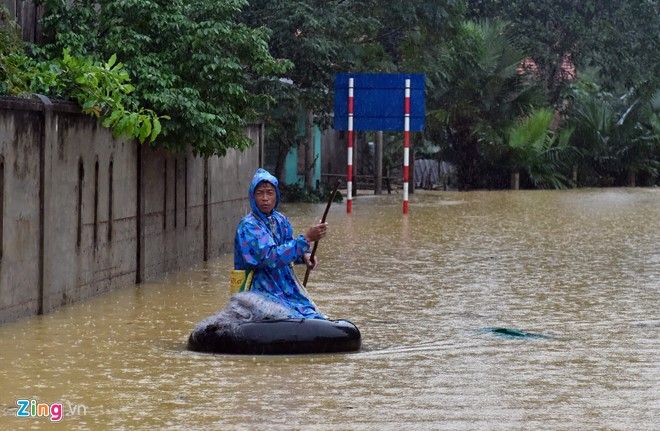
(580, 267)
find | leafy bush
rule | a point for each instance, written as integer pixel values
(10, 36)
(101, 90)
(481, 97)
(618, 136)
(191, 60)
(297, 193)
(538, 150)
(10, 45)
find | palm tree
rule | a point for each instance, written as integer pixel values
(479, 98)
(535, 148)
(617, 137)
(592, 120)
(637, 141)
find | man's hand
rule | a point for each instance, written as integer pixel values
(309, 261)
(316, 232)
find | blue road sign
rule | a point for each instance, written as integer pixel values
(378, 101)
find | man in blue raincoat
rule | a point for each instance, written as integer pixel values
(264, 243)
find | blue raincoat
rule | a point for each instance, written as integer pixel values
(266, 244)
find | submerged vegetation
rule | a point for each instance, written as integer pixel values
(298, 193)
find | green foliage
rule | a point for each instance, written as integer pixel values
(616, 135)
(315, 37)
(409, 35)
(625, 45)
(548, 31)
(10, 36)
(211, 66)
(10, 46)
(480, 98)
(192, 61)
(323, 37)
(100, 89)
(12, 79)
(297, 193)
(618, 37)
(536, 149)
(307, 34)
(339, 198)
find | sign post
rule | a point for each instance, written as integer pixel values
(349, 155)
(406, 145)
(376, 102)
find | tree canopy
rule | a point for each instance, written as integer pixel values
(209, 66)
(190, 60)
(618, 37)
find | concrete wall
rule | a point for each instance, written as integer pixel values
(78, 154)
(184, 235)
(229, 180)
(19, 276)
(114, 213)
(172, 235)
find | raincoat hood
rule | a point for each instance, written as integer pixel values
(259, 176)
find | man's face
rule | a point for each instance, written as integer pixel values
(265, 196)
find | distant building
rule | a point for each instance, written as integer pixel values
(294, 167)
(293, 172)
(566, 72)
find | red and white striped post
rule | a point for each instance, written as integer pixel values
(406, 145)
(349, 170)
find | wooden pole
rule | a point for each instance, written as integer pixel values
(515, 180)
(411, 184)
(379, 163)
(316, 243)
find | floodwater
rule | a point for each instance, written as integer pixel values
(480, 311)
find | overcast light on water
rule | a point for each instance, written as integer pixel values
(481, 310)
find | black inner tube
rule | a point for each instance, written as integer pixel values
(276, 337)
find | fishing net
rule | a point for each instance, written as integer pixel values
(243, 307)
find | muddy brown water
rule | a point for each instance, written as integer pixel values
(581, 268)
